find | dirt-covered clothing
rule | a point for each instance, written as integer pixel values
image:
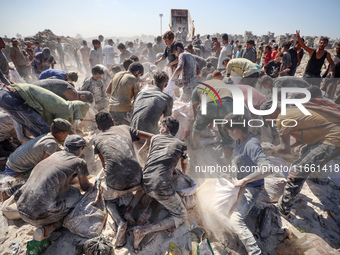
(158, 174)
(98, 89)
(29, 154)
(57, 86)
(188, 62)
(124, 86)
(49, 105)
(320, 127)
(47, 196)
(148, 107)
(122, 170)
(247, 156)
(18, 56)
(165, 152)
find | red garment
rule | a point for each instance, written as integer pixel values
(217, 47)
(323, 105)
(267, 57)
(258, 98)
(274, 54)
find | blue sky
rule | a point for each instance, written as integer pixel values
(133, 18)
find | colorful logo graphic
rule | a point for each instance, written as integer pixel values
(209, 93)
(239, 102)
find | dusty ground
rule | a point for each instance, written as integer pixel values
(315, 223)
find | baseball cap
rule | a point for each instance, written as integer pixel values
(74, 141)
(62, 124)
(46, 52)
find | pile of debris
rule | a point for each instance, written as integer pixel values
(48, 39)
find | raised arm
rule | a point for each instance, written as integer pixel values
(331, 64)
(301, 42)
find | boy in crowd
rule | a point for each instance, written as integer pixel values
(247, 152)
(96, 86)
(165, 152)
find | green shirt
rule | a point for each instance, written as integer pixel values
(242, 67)
(196, 96)
(50, 105)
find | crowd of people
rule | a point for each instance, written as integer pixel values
(41, 145)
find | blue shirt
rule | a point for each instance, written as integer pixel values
(248, 154)
(59, 74)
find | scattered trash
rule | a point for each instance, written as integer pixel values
(15, 247)
(37, 248)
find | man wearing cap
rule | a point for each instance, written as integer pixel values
(21, 162)
(19, 59)
(47, 196)
(43, 61)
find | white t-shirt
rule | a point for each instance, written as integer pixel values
(107, 52)
(226, 50)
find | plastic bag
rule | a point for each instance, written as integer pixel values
(174, 250)
(204, 248)
(182, 111)
(186, 188)
(14, 75)
(226, 195)
(87, 219)
(170, 89)
(37, 248)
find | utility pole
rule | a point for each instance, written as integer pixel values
(161, 16)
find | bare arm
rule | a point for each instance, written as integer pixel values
(102, 159)
(176, 73)
(84, 183)
(46, 155)
(184, 165)
(298, 59)
(173, 63)
(331, 63)
(284, 71)
(257, 175)
(303, 45)
(144, 135)
(135, 95)
(284, 146)
(109, 88)
(159, 60)
(194, 107)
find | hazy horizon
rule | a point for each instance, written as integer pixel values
(135, 18)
